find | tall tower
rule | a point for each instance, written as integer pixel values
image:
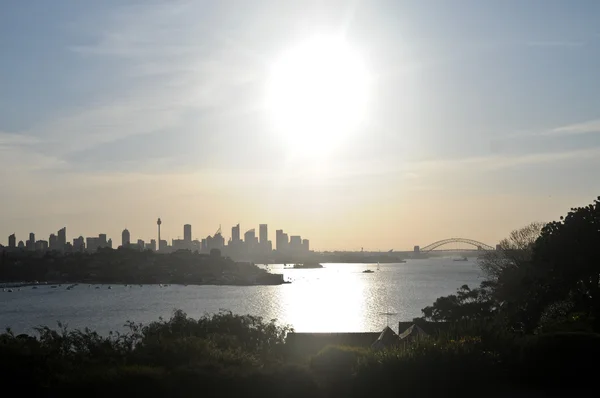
(235, 233)
(158, 223)
(62, 238)
(187, 233)
(12, 241)
(263, 234)
(125, 238)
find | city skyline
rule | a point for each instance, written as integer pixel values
(376, 124)
(189, 241)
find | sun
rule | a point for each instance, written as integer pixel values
(317, 94)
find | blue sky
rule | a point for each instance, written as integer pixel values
(484, 115)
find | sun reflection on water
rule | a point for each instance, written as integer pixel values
(324, 300)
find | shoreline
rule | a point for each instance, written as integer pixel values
(16, 285)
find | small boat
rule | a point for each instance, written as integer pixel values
(461, 259)
(9, 290)
(368, 271)
(110, 287)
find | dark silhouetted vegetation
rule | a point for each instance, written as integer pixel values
(231, 355)
(530, 329)
(544, 278)
(130, 266)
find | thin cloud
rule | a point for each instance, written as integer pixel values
(495, 162)
(591, 126)
(556, 43)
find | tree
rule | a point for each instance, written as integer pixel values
(506, 292)
(466, 304)
(515, 251)
(567, 255)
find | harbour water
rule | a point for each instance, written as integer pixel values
(336, 298)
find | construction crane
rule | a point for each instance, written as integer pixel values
(218, 231)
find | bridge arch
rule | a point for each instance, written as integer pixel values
(435, 245)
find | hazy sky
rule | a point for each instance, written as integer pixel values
(482, 116)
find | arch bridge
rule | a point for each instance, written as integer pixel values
(435, 245)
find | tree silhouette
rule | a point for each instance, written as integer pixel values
(567, 257)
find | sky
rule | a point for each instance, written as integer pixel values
(482, 116)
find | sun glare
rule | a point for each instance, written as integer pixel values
(317, 94)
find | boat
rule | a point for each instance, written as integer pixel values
(461, 259)
(307, 266)
(368, 271)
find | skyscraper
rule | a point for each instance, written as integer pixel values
(305, 245)
(295, 242)
(30, 244)
(158, 222)
(52, 241)
(78, 244)
(187, 233)
(235, 233)
(249, 236)
(125, 238)
(62, 238)
(280, 240)
(12, 241)
(263, 234)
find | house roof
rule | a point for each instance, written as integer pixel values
(413, 331)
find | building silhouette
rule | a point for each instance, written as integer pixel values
(251, 247)
(263, 234)
(125, 238)
(78, 244)
(12, 241)
(30, 244)
(250, 236)
(160, 242)
(53, 242)
(92, 244)
(187, 233)
(295, 243)
(235, 233)
(62, 238)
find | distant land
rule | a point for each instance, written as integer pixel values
(127, 266)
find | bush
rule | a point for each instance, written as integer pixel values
(337, 360)
(559, 361)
